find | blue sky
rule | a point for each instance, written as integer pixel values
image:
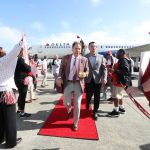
(103, 21)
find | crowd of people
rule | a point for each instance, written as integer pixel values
(92, 73)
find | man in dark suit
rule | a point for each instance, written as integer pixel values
(73, 70)
(97, 75)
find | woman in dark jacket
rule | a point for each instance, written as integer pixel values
(22, 70)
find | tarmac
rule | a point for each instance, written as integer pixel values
(130, 131)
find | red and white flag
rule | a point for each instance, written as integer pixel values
(145, 56)
(25, 48)
(144, 72)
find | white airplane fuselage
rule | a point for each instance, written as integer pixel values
(61, 49)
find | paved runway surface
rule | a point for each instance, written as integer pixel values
(130, 131)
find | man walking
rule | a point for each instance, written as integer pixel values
(44, 69)
(97, 75)
(73, 70)
(121, 78)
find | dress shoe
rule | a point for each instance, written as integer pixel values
(75, 127)
(95, 116)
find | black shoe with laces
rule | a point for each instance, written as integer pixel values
(114, 113)
(23, 115)
(122, 110)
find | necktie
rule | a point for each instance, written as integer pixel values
(74, 70)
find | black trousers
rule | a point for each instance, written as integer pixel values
(22, 89)
(93, 88)
(8, 131)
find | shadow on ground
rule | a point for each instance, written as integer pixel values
(145, 147)
(35, 121)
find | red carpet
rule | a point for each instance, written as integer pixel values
(58, 125)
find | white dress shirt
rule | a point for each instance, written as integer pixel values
(92, 59)
(71, 67)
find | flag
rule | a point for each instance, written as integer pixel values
(25, 48)
(145, 56)
(144, 72)
(145, 77)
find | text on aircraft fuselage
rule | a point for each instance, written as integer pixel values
(58, 45)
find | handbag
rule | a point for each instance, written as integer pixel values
(26, 81)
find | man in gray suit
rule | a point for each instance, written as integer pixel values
(73, 69)
(97, 75)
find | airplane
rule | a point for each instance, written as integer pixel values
(61, 49)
